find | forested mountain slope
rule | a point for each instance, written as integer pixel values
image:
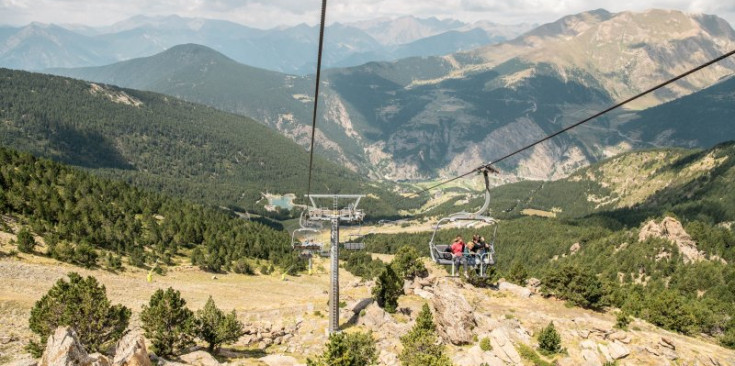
(161, 143)
(79, 214)
(427, 117)
(648, 232)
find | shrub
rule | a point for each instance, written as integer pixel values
(347, 349)
(529, 354)
(387, 289)
(518, 273)
(575, 284)
(669, 310)
(419, 344)
(728, 340)
(26, 243)
(113, 262)
(243, 267)
(622, 320)
(85, 255)
(485, 344)
(81, 304)
(407, 263)
(549, 340)
(216, 328)
(167, 322)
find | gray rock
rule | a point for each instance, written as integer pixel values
(668, 343)
(200, 358)
(452, 314)
(388, 358)
(476, 356)
(618, 350)
(63, 349)
(131, 351)
(590, 358)
(25, 362)
(605, 352)
(424, 294)
(280, 360)
(519, 291)
(588, 344)
(503, 347)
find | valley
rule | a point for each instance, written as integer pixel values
(160, 165)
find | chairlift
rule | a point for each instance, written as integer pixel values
(355, 240)
(304, 240)
(441, 253)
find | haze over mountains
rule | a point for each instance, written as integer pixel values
(286, 49)
(433, 116)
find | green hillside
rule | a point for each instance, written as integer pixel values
(697, 120)
(163, 144)
(601, 211)
(79, 214)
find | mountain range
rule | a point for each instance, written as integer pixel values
(164, 144)
(286, 49)
(428, 117)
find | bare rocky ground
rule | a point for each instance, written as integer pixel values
(287, 319)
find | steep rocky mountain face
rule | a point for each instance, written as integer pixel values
(427, 117)
(285, 49)
(439, 115)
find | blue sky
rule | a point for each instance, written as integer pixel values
(271, 13)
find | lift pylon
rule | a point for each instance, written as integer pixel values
(335, 214)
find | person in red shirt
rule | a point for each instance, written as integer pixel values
(458, 253)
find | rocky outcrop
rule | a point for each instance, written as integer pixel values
(672, 230)
(452, 313)
(131, 351)
(199, 358)
(63, 349)
(280, 360)
(476, 356)
(265, 334)
(519, 291)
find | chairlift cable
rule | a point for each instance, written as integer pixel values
(316, 93)
(598, 114)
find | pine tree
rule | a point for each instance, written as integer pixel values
(26, 243)
(348, 349)
(419, 344)
(549, 340)
(217, 328)
(167, 322)
(387, 289)
(83, 305)
(408, 264)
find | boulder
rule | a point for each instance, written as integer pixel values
(375, 317)
(618, 350)
(452, 314)
(25, 362)
(503, 348)
(131, 351)
(280, 360)
(63, 349)
(574, 248)
(519, 291)
(423, 294)
(98, 359)
(668, 343)
(588, 344)
(199, 358)
(605, 352)
(388, 358)
(476, 356)
(590, 358)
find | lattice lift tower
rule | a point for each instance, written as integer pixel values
(335, 215)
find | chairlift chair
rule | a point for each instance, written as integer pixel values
(355, 242)
(440, 253)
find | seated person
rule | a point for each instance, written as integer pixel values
(458, 248)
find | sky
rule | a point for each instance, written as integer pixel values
(272, 13)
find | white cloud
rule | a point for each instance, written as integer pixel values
(271, 13)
